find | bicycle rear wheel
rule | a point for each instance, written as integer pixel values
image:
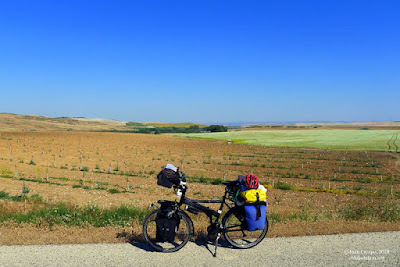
(235, 232)
(182, 236)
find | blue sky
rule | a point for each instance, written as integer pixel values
(202, 61)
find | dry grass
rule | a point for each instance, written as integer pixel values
(13, 122)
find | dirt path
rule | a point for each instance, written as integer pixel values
(367, 249)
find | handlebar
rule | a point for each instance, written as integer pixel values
(230, 183)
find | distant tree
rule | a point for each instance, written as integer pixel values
(145, 130)
(217, 128)
(193, 129)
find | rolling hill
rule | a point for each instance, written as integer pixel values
(15, 122)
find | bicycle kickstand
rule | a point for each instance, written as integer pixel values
(244, 234)
(216, 244)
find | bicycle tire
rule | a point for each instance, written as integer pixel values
(232, 223)
(182, 236)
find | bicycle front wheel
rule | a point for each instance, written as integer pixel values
(182, 233)
(236, 233)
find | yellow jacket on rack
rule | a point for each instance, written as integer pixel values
(253, 195)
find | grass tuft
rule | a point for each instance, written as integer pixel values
(113, 191)
(62, 213)
(380, 211)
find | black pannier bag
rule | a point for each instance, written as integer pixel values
(168, 176)
(166, 228)
(167, 223)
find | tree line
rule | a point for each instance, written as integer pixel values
(191, 129)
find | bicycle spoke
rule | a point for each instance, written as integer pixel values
(239, 225)
(236, 233)
(182, 235)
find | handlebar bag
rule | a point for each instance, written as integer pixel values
(255, 216)
(169, 176)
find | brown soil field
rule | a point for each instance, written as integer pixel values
(80, 168)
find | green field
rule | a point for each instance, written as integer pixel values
(326, 139)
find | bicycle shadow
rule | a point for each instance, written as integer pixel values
(137, 241)
(143, 246)
(210, 245)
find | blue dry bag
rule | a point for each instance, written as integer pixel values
(256, 216)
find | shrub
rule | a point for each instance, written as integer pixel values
(25, 189)
(216, 181)
(365, 180)
(202, 180)
(85, 169)
(4, 195)
(113, 191)
(100, 187)
(5, 172)
(357, 188)
(282, 186)
(36, 198)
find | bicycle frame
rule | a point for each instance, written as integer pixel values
(194, 204)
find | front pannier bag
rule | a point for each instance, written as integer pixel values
(167, 223)
(169, 176)
(166, 227)
(256, 216)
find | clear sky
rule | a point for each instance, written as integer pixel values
(202, 61)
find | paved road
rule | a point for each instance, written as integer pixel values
(368, 249)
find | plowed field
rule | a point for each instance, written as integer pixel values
(306, 186)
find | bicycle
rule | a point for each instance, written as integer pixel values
(232, 226)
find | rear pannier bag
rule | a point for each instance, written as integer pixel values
(256, 216)
(167, 224)
(169, 176)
